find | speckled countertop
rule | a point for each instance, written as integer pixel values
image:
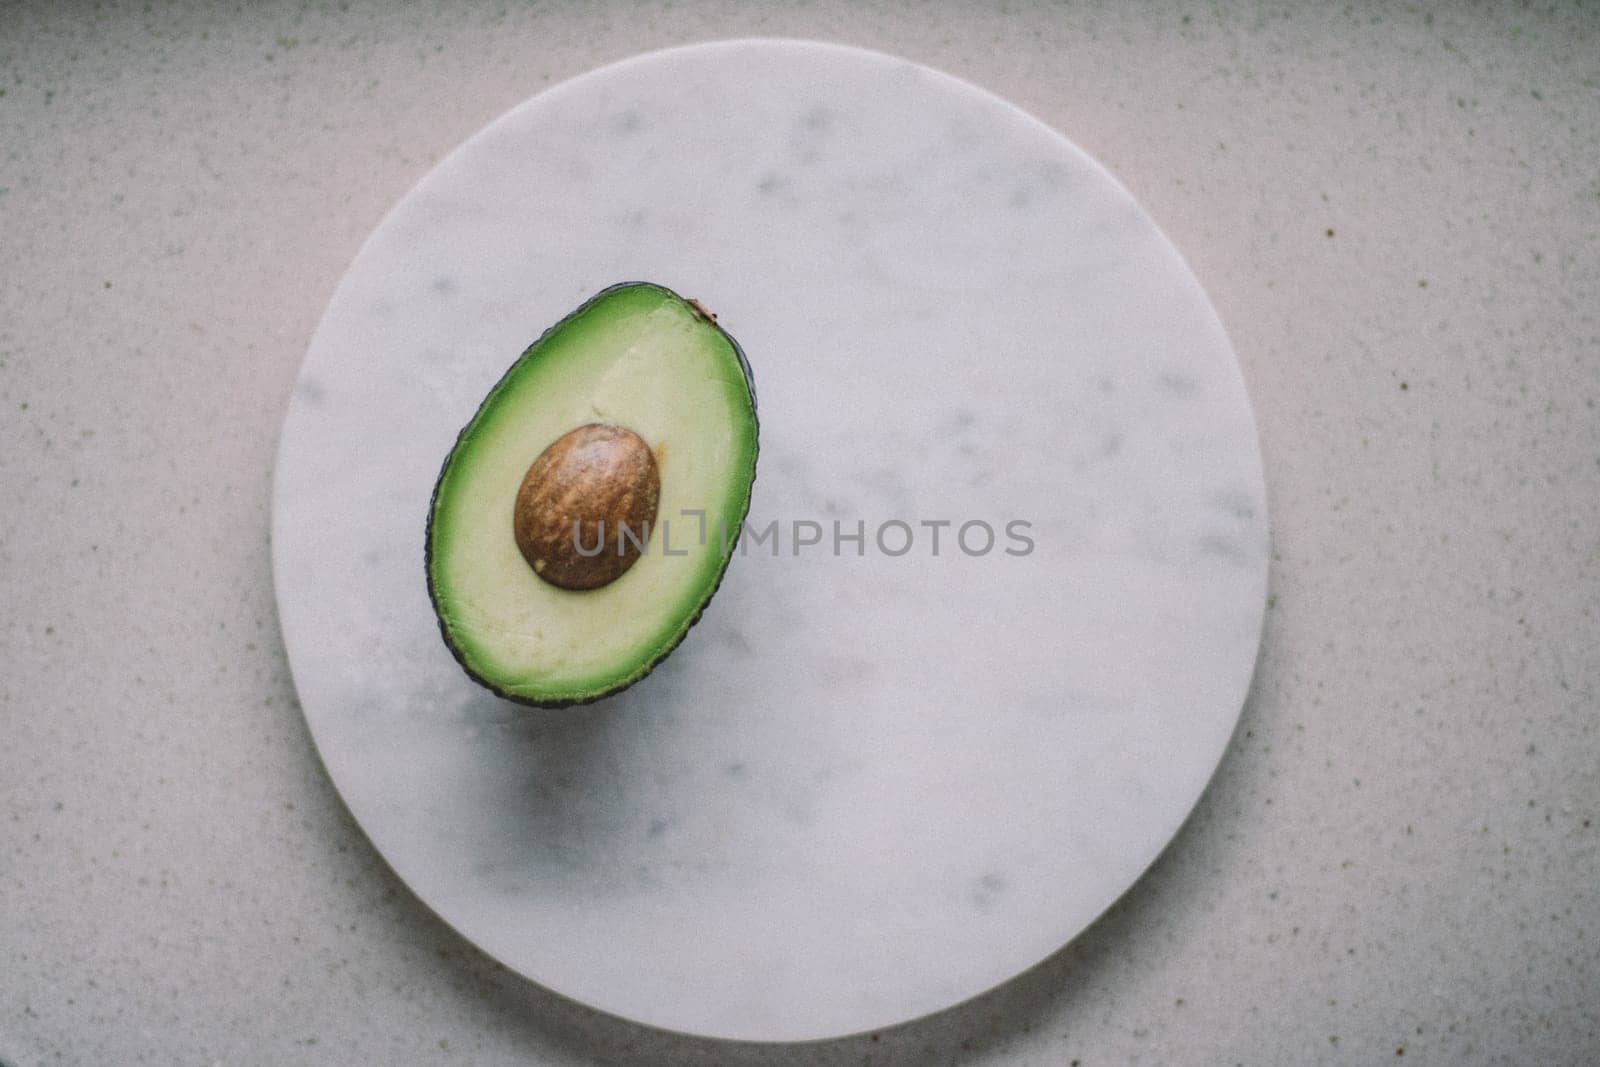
(1397, 216)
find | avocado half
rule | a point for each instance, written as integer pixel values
(639, 358)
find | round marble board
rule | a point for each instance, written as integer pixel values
(866, 787)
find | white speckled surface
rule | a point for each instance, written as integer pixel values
(872, 784)
(1400, 848)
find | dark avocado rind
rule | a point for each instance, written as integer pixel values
(741, 511)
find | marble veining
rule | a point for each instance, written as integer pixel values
(865, 787)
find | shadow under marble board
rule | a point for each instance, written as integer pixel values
(867, 786)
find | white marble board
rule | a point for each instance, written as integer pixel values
(865, 788)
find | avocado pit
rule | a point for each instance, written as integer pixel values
(585, 508)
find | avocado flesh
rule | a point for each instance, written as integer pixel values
(640, 357)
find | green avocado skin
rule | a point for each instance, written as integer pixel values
(743, 509)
